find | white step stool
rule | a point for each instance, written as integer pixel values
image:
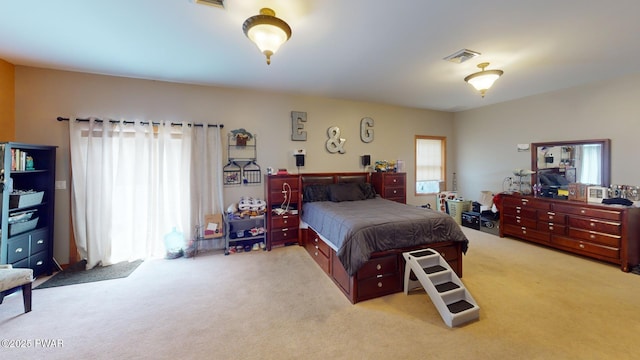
(447, 292)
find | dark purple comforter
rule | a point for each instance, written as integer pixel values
(358, 228)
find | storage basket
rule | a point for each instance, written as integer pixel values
(455, 208)
(25, 199)
(20, 227)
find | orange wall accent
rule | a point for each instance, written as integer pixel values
(7, 101)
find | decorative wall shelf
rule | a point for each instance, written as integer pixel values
(241, 167)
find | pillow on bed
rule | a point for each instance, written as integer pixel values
(345, 192)
(318, 192)
(368, 190)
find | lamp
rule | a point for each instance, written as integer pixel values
(483, 80)
(267, 32)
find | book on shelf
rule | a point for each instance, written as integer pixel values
(20, 160)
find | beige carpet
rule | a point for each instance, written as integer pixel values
(535, 303)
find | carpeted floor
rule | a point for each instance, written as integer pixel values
(74, 275)
(535, 303)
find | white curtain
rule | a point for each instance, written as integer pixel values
(588, 161)
(131, 186)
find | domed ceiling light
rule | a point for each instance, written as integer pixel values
(483, 80)
(267, 31)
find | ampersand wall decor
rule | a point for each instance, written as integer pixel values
(335, 144)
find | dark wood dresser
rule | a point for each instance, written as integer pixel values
(609, 233)
(391, 185)
(282, 228)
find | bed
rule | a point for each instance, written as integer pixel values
(358, 238)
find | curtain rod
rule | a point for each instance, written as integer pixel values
(60, 118)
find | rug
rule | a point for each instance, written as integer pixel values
(77, 275)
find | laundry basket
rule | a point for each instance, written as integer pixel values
(455, 208)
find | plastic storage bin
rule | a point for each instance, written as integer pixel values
(455, 208)
(26, 199)
(23, 226)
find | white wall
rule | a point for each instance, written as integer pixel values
(486, 138)
(42, 95)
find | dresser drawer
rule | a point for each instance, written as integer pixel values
(378, 286)
(552, 217)
(378, 267)
(595, 237)
(277, 197)
(396, 179)
(18, 248)
(529, 213)
(527, 233)
(551, 227)
(39, 240)
(24, 263)
(284, 221)
(609, 227)
(284, 235)
(587, 247)
(590, 212)
(39, 263)
(521, 220)
(393, 192)
(529, 203)
(277, 183)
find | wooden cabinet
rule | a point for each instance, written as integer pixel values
(390, 185)
(283, 198)
(606, 232)
(27, 180)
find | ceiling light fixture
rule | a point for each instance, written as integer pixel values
(267, 32)
(483, 80)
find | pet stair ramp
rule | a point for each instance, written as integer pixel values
(447, 292)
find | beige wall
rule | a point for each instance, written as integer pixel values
(486, 138)
(481, 142)
(7, 100)
(42, 95)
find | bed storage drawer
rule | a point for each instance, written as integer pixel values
(318, 249)
(379, 266)
(321, 259)
(379, 286)
(379, 276)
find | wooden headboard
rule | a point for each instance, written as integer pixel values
(334, 178)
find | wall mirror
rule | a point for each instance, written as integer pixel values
(558, 163)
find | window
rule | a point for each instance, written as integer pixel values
(430, 164)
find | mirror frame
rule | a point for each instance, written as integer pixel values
(605, 162)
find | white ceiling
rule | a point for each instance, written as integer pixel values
(371, 50)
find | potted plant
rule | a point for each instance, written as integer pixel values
(242, 136)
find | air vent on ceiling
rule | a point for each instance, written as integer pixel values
(461, 56)
(216, 3)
